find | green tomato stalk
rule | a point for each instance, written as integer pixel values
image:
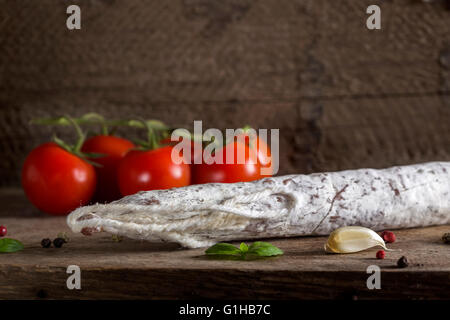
(75, 149)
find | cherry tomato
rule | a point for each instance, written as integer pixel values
(229, 172)
(151, 170)
(115, 149)
(262, 149)
(56, 181)
(196, 148)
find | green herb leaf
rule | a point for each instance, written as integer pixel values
(257, 249)
(10, 245)
(223, 249)
(264, 249)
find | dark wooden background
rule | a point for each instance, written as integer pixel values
(342, 96)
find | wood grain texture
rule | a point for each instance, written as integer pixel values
(143, 270)
(315, 135)
(343, 96)
(196, 50)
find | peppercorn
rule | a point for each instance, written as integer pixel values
(46, 243)
(446, 238)
(402, 262)
(3, 231)
(381, 254)
(388, 236)
(58, 242)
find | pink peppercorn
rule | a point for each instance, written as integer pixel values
(381, 254)
(388, 236)
(3, 231)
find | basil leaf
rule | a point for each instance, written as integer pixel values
(223, 248)
(264, 249)
(243, 247)
(10, 245)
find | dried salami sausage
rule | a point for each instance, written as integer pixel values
(295, 205)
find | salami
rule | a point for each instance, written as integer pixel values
(294, 205)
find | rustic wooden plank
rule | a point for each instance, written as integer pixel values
(199, 50)
(272, 64)
(315, 134)
(135, 269)
(382, 132)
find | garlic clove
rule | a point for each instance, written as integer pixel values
(353, 239)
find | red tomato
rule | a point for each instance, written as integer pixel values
(263, 151)
(196, 148)
(229, 172)
(115, 149)
(151, 170)
(56, 181)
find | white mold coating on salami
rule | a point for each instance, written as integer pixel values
(294, 205)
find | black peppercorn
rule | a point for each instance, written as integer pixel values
(402, 262)
(58, 242)
(46, 243)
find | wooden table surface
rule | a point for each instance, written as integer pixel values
(135, 269)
